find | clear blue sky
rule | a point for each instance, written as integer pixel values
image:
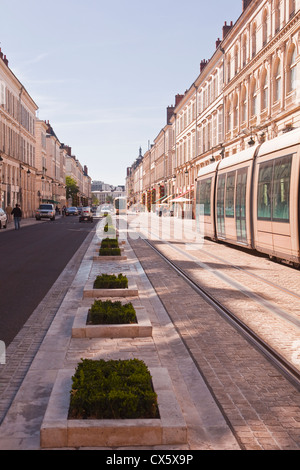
(103, 72)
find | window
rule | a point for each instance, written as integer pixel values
(292, 5)
(204, 194)
(265, 27)
(292, 69)
(229, 200)
(235, 112)
(281, 189)
(273, 199)
(243, 105)
(265, 91)
(220, 205)
(253, 99)
(264, 191)
(253, 40)
(277, 16)
(277, 82)
(244, 50)
(228, 69)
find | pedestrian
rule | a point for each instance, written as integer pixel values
(8, 211)
(17, 213)
(64, 211)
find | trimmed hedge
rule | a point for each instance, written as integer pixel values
(110, 281)
(111, 313)
(114, 389)
(110, 252)
(110, 243)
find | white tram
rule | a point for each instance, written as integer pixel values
(120, 204)
(252, 198)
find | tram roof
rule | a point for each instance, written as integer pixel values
(239, 157)
(283, 141)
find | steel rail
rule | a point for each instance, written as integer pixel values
(291, 372)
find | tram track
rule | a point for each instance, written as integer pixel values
(280, 362)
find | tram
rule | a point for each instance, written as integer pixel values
(252, 198)
(120, 204)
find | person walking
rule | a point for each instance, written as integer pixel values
(17, 213)
(8, 211)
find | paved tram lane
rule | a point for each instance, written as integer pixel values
(31, 260)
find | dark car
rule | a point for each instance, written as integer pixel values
(86, 214)
(71, 211)
(3, 219)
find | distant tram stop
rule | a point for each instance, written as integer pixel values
(2, 352)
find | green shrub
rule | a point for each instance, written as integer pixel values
(111, 313)
(110, 281)
(109, 252)
(112, 389)
(110, 243)
(109, 228)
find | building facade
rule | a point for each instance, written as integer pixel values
(247, 92)
(32, 160)
(17, 142)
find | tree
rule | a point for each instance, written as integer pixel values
(109, 199)
(71, 188)
(95, 200)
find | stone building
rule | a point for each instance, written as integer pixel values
(17, 142)
(247, 92)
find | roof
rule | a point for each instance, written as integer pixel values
(283, 141)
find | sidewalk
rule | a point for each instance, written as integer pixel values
(23, 223)
(206, 427)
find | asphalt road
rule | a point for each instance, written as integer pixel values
(31, 260)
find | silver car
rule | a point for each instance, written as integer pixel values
(45, 211)
(3, 219)
(86, 214)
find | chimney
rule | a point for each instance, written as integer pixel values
(1, 54)
(170, 111)
(203, 64)
(218, 42)
(246, 3)
(178, 98)
(5, 61)
(226, 28)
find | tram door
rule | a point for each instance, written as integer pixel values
(220, 206)
(240, 205)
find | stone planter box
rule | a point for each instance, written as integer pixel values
(110, 258)
(57, 431)
(89, 291)
(142, 328)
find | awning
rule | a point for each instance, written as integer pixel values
(181, 199)
(50, 201)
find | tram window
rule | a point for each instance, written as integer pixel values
(281, 189)
(264, 191)
(229, 201)
(205, 195)
(273, 200)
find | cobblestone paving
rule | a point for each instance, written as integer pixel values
(261, 406)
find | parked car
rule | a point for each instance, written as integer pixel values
(71, 211)
(45, 211)
(86, 214)
(3, 219)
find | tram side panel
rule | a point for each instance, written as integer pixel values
(276, 203)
